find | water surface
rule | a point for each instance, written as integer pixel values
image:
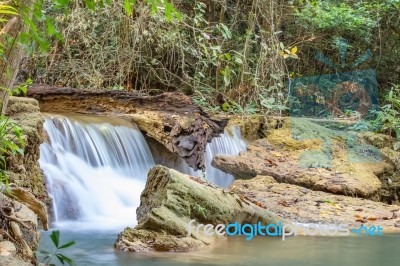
(95, 248)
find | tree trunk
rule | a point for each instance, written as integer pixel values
(13, 54)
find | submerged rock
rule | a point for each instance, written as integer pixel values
(171, 200)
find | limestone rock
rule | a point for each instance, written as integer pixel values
(312, 156)
(13, 261)
(7, 248)
(307, 206)
(172, 119)
(25, 170)
(171, 200)
(27, 198)
(21, 225)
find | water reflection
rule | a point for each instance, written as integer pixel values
(95, 248)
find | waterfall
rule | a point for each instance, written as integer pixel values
(96, 169)
(228, 143)
(95, 172)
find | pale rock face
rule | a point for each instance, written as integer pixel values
(7, 248)
(311, 156)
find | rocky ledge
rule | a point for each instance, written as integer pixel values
(19, 234)
(320, 173)
(171, 200)
(313, 156)
(307, 206)
(171, 119)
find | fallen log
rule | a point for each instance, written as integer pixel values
(170, 118)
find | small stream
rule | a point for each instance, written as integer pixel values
(95, 171)
(95, 248)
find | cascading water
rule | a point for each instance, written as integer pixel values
(95, 171)
(228, 143)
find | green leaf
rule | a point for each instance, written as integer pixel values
(63, 259)
(50, 28)
(238, 60)
(67, 245)
(396, 146)
(225, 107)
(55, 237)
(90, 4)
(128, 7)
(227, 32)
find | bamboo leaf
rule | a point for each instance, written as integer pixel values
(67, 245)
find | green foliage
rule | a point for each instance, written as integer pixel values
(366, 25)
(5, 12)
(388, 118)
(204, 55)
(11, 143)
(356, 17)
(50, 256)
(200, 211)
(19, 89)
(42, 15)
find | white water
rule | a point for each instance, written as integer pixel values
(226, 144)
(95, 171)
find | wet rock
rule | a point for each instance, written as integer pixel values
(171, 200)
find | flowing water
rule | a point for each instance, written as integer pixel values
(96, 170)
(228, 143)
(96, 249)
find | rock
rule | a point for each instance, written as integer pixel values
(378, 140)
(307, 206)
(171, 200)
(27, 198)
(13, 261)
(7, 248)
(20, 226)
(25, 170)
(172, 119)
(309, 155)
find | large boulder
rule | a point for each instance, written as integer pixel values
(171, 200)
